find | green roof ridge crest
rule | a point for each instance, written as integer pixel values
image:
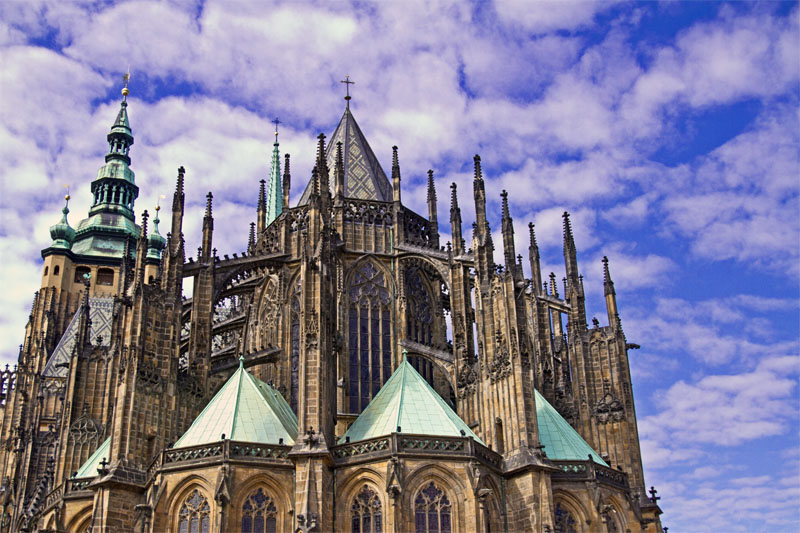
(240, 371)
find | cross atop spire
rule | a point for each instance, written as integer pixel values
(276, 121)
(347, 84)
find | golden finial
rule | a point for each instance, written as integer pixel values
(158, 203)
(126, 78)
(66, 196)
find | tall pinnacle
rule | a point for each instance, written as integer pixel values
(275, 195)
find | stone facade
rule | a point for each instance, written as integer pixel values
(322, 304)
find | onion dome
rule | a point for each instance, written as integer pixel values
(155, 242)
(62, 234)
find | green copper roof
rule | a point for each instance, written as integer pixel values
(245, 409)
(560, 439)
(89, 468)
(62, 233)
(275, 194)
(363, 176)
(406, 400)
(155, 241)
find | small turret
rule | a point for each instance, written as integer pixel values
(155, 242)
(62, 234)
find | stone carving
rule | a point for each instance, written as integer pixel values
(466, 381)
(609, 409)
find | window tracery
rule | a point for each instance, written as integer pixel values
(432, 511)
(294, 356)
(369, 335)
(419, 323)
(195, 514)
(259, 514)
(366, 512)
(564, 521)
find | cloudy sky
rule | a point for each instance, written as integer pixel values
(669, 131)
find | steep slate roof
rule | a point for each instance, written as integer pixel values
(406, 400)
(364, 178)
(89, 468)
(245, 409)
(100, 311)
(560, 439)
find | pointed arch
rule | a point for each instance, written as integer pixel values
(194, 484)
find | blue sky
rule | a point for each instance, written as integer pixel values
(669, 130)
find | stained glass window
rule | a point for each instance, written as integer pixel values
(564, 521)
(365, 512)
(369, 335)
(259, 514)
(195, 514)
(432, 511)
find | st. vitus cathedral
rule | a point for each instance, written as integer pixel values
(346, 372)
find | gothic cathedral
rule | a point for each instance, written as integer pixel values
(346, 372)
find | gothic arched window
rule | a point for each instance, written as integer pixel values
(259, 514)
(195, 514)
(369, 335)
(564, 521)
(419, 318)
(432, 511)
(365, 512)
(294, 356)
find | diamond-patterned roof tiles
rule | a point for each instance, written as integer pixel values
(100, 311)
(407, 401)
(245, 409)
(364, 178)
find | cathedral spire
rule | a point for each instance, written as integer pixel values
(455, 221)
(570, 253)
(395, 175)
(338, 174)
(533, 256)
(208, 228)
(610, 294)
(432, 216)
(482, 235)
(274, 205)
(114, 189)
(509, 250)
(261, 209)
(287, 181)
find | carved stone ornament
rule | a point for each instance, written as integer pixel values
(609, 409)
(466, 381)
(312, 330)
(500, 365)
